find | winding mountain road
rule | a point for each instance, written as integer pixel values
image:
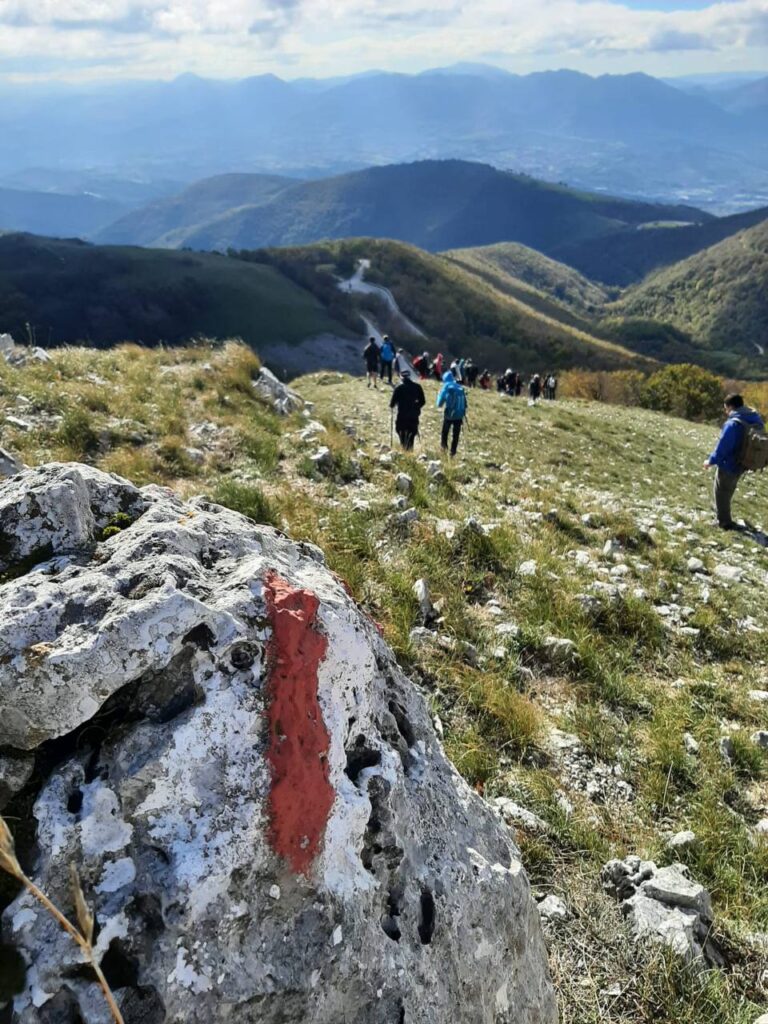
(358, 284)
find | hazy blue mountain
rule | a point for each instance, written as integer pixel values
(167, 223)
(61, 215)
(433, 204)
(625, 133)
(629, 255)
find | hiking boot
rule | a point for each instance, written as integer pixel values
(729, 526)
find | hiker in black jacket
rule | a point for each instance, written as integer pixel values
(371, 357)
(408, 398)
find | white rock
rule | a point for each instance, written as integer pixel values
(514, 814)
(404, 484)
(682, 840)
(729, 573)
(760, 739)
(761, 696)
(411, 515)
(529, 568)
(691, 744)
(282, 398)
(553, 909)
(20, 424)
(695, 565)
(422, 595)
(322, 459)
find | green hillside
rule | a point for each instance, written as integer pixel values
(551, 289)
(69, 291)
(629, 255)
(718, 297)
(167, 222)
(460, 312)
(435, 204)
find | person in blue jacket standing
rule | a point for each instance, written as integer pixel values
(453, 399)
(387, 357)
(725, 457)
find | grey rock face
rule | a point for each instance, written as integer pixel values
(263, 818)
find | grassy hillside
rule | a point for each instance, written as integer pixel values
(550, 288)
(461, 312)
(629, 255)
(69, 291)
(575, 521)
(433, 204)
(166, 223)
(719, 297)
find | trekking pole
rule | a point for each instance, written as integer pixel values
(391, 428)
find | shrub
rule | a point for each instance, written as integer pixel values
(685, 390)
(77, 433)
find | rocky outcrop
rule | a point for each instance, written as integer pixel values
(664, 906)
(260, 811)
(283, 399)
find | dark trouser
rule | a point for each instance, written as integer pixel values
(447, 424)
(386, 368)
(725, 487)
(407, 431)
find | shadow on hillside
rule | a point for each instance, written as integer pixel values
(752, 532)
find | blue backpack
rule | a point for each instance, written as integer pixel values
(456, 403)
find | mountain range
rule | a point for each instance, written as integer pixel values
(432, 204)
(630, 134)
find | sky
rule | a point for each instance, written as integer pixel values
(82, 40)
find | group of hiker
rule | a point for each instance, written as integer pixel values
(542, 385)
(743, 443)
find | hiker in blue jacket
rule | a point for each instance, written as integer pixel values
(726, 456)
(453, 398)
(387, 357)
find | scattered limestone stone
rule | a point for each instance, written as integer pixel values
(282, 398)
(15, 772)
(727, 749)
(529, 568)
(664, 906)
(422, 595)
(553, 909)
(514, 814)
(400, 502)
(729, 573)
(560, 651)
(20, 424)
(312, 430)
(411, 515)
(691, 744)
(761, 696)
(435, 470)
(9, 464)
(386, 460)
(682, 840)
(761, 828)
(760, 739)
(322, 459)
(695, 565)
(610, 548)
(404, 484)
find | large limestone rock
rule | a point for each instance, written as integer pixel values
(253, 792)
(283, 399)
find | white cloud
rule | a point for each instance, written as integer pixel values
(232, 37)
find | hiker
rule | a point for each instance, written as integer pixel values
(453, 398)
(408, 398)
(485, 380)
(437, 366)
(552, 387)
(421, 365)
(454, 368)
(386, 357)
(534, 389)
(472, 373)
(371, 357)
(401, 362)
(518, 384)
(742, 446)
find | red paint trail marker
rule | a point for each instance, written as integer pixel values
(301, 796)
